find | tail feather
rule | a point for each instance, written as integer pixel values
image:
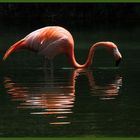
(16, 46)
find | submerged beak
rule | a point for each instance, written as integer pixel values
(118, 61)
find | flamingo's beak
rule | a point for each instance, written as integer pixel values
(118, 61)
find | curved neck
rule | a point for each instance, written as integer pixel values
(88, 62)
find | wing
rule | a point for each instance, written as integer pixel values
(54, 48)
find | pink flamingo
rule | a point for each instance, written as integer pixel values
(54, 40)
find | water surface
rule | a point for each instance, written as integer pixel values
(100, 101)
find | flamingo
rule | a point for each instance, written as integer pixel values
(51, 41)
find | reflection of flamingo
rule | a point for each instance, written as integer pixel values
(54, 40)
(57, 98)
(108, 91)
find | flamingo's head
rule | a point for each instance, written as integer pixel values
(117, 55)
(112, 47)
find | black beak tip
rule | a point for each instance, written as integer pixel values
(118, 62)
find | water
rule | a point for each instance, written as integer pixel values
(100, 101)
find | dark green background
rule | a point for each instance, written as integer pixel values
(126, 17)
(71, 15)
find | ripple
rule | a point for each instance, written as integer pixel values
(55, 96)
(108, 68)
(43, 98)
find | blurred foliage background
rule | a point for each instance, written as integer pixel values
(71, 15)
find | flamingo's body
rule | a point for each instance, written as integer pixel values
(54, 40)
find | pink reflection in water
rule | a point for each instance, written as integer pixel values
(57, 99)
